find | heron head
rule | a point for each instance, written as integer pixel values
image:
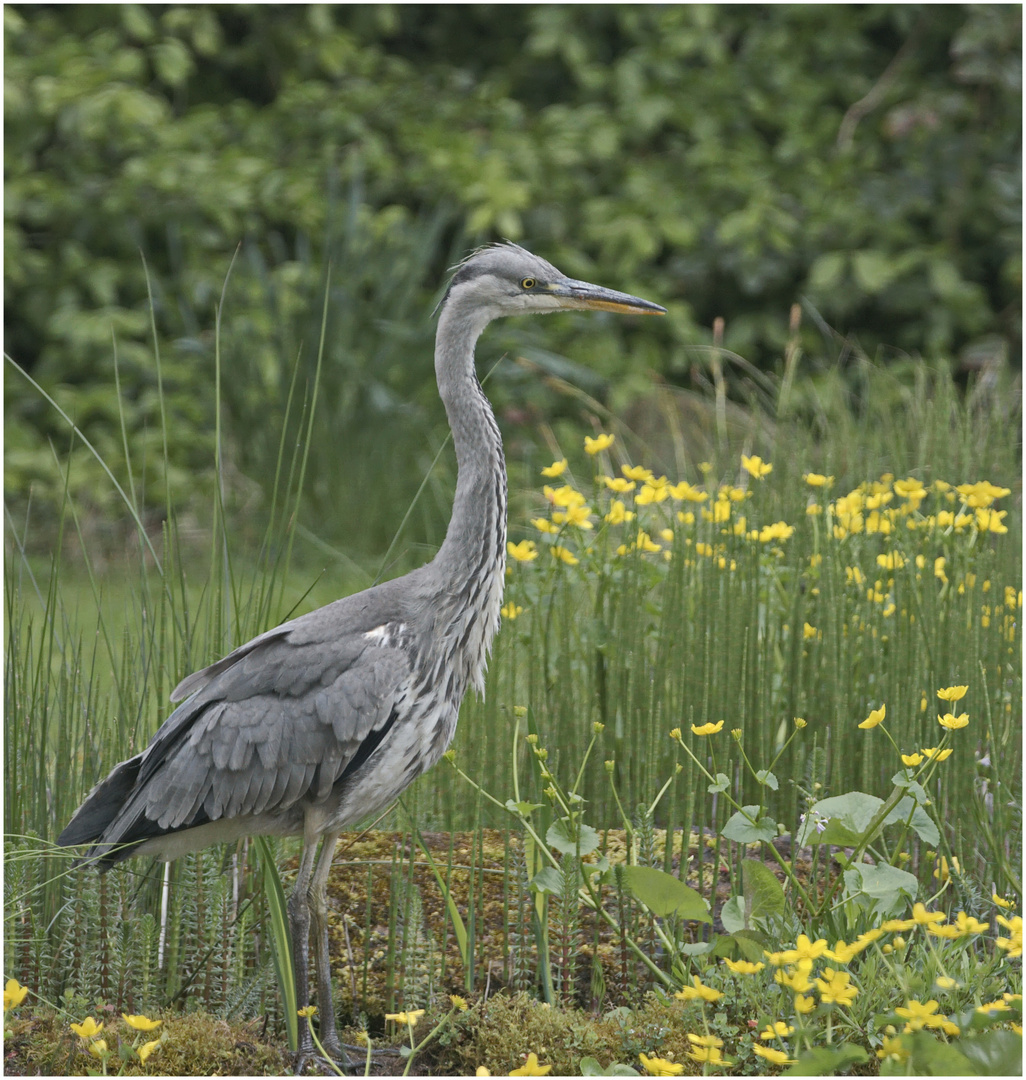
(505, 279)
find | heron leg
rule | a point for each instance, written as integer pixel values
(319, 910)
(299, 928)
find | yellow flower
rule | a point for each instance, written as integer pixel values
(646, 543)
(796, 977)
(946, 931)
(926, 918)
(706, 1041)
(834, 987)
(88, 1029)
(146, 1049)
(804, 949)
(892, 1049)
(482, 1070)
(510, 610)
(755, 466)
(698, 990)
(97, 1048)
(943, 871)
(952, 693)
(1000, 901)
(779, 530)
(410, 1018)
(981, 494)
(776, 1057)
(458, 1002)
(707, 729)
(618, 484)
(967, 924)
(912, 759)
(686, 493)
(874, 718)
(574, 515)
(563, 555)
(779, 1029)
(544, 525)
(843, 953)
(598, 444)
(557, 468)
(743, 967)
(934, 754)
(651, 493)
(618, 513)
(14, 994)
(636, 472)
(711, 1055)
(803, 1004)
(657, 1066)
(525, 551)
(815, 479)
(809, 631)
(910, 488)
(141, 1023)
(953, 723)
(1012, 945)
(564, 497)
(891, 561)
(531, 1067)
(991, 521)
(919, 1014)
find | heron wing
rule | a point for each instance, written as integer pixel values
(282, 722)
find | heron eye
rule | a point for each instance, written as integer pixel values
(527, 283)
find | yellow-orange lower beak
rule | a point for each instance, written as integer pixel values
(581, 294)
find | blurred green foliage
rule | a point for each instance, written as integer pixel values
(726, 161)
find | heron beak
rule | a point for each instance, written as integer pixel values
(581, 294)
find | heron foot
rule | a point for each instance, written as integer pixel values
(315, 1064)
(309, 1055)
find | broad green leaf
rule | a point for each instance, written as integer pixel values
(883, 888)
(749, 943)
(846, 817)
(722, 784)
(732, 914)
(764, 776)
(994, 1053)
(663, 894)
(523, 808)
(591, 1067)
(921, 822)
(547, 881)
(764, 895)
(929, 1056)
(740, 829)
(828, 1061)
(886, 887)
(560, 836)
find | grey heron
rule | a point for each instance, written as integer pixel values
(325, 719)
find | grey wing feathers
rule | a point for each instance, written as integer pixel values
(278, 724)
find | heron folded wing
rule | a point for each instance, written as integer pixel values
(264, 753)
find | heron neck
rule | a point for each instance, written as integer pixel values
(475, 543)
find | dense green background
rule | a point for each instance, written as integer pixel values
(864, 161)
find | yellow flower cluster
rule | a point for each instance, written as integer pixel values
(871, 507)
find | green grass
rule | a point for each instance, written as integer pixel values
(722, 623)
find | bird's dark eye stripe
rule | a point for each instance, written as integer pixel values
(527, 283)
